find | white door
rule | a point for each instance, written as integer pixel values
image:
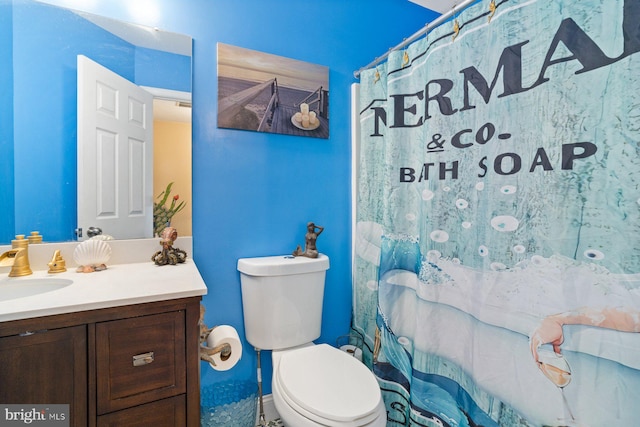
(115, 154)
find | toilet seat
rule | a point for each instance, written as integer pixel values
(325, 384)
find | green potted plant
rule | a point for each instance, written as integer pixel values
(162, 214)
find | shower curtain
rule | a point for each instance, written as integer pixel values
(497, 235)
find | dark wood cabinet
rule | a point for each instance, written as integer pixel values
(166, 412)
(46, 367)
(134, 365)
(139, 360)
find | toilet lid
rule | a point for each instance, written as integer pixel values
(328, 383)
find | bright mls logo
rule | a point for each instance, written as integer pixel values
(36, 415)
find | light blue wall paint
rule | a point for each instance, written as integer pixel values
(253, 192)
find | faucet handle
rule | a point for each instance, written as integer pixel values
(20, 242)
(57, 264)
(34, 237)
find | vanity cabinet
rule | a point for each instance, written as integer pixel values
(134, 365)
(46, 366)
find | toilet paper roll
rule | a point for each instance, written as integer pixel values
(353, 351)
(225, 334)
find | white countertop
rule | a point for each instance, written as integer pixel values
(118, 285)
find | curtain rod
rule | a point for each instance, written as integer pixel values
(415, 36)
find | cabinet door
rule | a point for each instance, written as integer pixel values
(140, 360)
(166, 412)
(46, 367)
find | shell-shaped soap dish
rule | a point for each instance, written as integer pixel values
(92, 255)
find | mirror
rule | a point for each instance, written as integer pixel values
(39, 44)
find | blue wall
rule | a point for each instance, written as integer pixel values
(255, 192)
(165, 70)
(7, 216)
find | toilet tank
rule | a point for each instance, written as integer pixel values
(282, 299)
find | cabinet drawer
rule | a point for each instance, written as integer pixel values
(139, 360)
(166, 412)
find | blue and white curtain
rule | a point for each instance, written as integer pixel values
(497, 268)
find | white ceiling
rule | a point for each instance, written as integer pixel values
(171, 111)
(139, 35)
(440, 6)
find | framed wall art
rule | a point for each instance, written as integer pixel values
(269, 93)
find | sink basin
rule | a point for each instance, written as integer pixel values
(21, 288)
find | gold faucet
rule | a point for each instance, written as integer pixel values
(17, 257)
(18, 260)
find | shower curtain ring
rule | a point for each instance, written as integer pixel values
(405, 58)
(456, 24)
(456, 29)
(492, 9)
(405, 54)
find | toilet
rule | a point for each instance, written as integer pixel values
(312, 385)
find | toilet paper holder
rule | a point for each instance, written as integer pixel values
(349, 343)
(206, 352)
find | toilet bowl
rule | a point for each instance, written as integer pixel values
(319, 385)
(312, 385)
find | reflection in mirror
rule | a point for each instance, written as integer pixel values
(39, 45)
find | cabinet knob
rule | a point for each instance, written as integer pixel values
(143, 359)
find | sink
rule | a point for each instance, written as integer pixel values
(20, 288)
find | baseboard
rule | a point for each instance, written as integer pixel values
(269, 409)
